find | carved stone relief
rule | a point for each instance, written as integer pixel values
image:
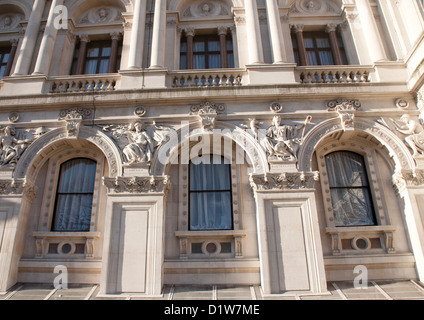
(151, 184)
(207, 112)
(138, 143)
(202, 9)
(314, 7)
(283, 141)
(101, 15)
(10, 21)
(346, 109)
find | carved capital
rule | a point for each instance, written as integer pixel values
(283, 181)
(149, 184)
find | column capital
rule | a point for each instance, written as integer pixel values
(116, 36)
(222, 30)
(84, 37)
(297, 27)
(331, 27)
(189, 31)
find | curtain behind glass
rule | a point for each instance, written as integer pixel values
(210, 196)
(350, 195)
(75, 195)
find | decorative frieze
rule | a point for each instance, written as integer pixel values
(408, 178)
(283, 181)
(148, 184)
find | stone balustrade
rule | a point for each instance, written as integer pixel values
(333, 74)
(85, 83)
(207, 78)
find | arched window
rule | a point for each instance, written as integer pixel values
(210, 195)
(350, 190)
(74, 196)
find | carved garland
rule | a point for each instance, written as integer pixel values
(154, 184)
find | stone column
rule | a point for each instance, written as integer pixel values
(303, 59)
(47, 43)
(14, 43)
(114, 52)
(189, 32)
(23, 62)
(222, 32)
(331, 30)
(135, 59)
(158, 37)
(370, 31)
(81, 55)
(254, 39)
(275, 31)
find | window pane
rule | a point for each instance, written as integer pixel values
(73, 212)
(199, 61)
(104, 66)
(210, 210)
(2, 71)
(312, 58)
(214, 61)
(77, 176)
(309, 43)
(183, 47)
(198, 46)
(326, 57)
(106, 52)
(323, 43)
(4, 58)
(209, 177)
(230, 60)
(90, 67)
(346, 169)
(352, 207)
(93, 52)
(213, 46)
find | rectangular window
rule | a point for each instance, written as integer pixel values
(4, 60)
(206, 52)
(318, 49)
(97, 57)
(74, 196)
(210, 195)
(350, 191)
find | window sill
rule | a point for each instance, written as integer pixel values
(214, 239)
(52, 243)
(362, 239)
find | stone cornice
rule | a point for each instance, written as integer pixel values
(283, 181)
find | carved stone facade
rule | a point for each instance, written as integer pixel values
(307, 167)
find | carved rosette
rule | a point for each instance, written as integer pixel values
(151, 184)
(283, 181)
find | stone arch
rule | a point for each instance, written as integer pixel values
(14, 6)
(33, 157)
(78, 7)
(398, 151)
(169, 152)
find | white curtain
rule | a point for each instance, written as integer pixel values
(75, 195)
(349, 187)
(210, 196)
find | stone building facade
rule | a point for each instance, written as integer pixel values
(269, 142)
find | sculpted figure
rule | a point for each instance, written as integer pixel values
(282, 141)
(414, 134)
(140, 147)
(11, 147)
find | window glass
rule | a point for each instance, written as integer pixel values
(4, 59)
(350, 191)
(74, 195)
(210, 195)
